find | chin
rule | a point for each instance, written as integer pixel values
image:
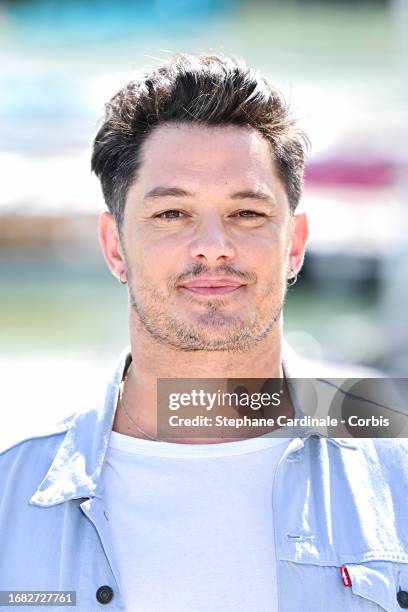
(222, 335)
(218, 324)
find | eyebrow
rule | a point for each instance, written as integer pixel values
(177, 192)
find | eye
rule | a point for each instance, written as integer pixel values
(249, 213)
(169, 214)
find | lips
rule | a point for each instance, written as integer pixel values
(212, 286)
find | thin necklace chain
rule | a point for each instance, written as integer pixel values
(131, 421)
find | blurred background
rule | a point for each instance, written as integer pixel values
(342, 64)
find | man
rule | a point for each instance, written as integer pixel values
(201, 168)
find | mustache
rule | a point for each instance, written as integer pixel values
(200, 269)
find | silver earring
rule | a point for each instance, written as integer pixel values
(292, 279)
(120, 278)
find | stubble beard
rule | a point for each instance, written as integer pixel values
(214, 331)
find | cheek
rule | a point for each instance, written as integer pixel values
(265, 253)
(156, 259)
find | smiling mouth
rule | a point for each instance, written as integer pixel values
(207, 290)
(212, 286)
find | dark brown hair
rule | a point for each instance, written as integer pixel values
(206, 90)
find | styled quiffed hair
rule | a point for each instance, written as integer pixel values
(207, 90)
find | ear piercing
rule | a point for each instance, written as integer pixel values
(123, 281)
(292, 279)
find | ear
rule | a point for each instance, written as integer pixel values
(110, 244)
(298, 241)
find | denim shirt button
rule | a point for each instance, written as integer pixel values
(402, 598)
(104, 594)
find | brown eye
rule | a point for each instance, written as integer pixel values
(169, 214)
(249, 213)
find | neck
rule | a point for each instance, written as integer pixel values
(152, 360)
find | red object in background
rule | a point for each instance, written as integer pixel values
(345, 576)
(347, 172)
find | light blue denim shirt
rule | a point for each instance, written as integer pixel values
(336, 502)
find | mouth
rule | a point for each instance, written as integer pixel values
(212, 286)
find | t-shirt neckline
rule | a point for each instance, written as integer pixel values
(158, 448)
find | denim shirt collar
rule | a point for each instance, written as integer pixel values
(76, 467)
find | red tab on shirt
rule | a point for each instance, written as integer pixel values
(345, 576)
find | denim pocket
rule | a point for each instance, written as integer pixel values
(378, 586)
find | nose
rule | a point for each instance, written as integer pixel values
(211, 242)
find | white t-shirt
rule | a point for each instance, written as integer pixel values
(192, 524)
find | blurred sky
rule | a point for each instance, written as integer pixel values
(342, 65)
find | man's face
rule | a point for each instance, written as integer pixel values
(206, 238)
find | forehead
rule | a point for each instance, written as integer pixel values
(211, 154)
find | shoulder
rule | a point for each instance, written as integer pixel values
(24, 462)
(26, 459)
(28, 454)
(387, 456)
(391, 452)
(369, 466)
(39, 435)
(378, 454)
(297, 366)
